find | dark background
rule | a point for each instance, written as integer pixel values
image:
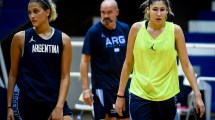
(77, 15)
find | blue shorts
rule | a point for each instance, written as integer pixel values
(26, 108)
(104, 103)
(141, 109)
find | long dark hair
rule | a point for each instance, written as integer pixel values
(147, 3)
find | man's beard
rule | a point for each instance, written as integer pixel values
(107, 21)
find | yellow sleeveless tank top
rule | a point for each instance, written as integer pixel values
(155, 73)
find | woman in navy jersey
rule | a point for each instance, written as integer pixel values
(39, 77)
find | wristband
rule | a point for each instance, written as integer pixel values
(121, 96)
(9, 107)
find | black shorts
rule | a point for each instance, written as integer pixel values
(27, 109)
(104, 103)
(142, 109)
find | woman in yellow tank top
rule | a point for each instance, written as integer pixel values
(153, 47)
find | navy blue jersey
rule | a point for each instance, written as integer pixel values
(40, 67)
(108, 50)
